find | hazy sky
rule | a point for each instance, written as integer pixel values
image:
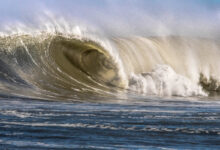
(125, 16)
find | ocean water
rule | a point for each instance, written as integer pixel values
(64, 86)
(135, 123)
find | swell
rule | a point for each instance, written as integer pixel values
(57, 66)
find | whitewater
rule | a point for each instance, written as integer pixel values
(74, 84)
(77, 60)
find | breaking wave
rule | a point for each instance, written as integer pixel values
(57, 65)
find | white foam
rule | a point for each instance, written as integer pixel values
(189, 58)
(164, 81)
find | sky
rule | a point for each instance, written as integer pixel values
(187, 17)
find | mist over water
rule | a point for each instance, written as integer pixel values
(147, 51)
(152, 51)
(109, 74)
(197, 17)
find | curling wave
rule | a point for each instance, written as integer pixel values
(56, 66)
(59, 66)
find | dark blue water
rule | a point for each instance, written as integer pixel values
(138, 123)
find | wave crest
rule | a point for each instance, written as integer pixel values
(60, 66)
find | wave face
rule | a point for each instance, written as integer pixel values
(59, 66)
(172, 65)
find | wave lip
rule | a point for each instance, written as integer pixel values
(59, 66)
(56, 65)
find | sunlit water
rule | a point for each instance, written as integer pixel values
(69, 88)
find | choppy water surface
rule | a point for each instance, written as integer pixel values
(137, 123)
(65, 87)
